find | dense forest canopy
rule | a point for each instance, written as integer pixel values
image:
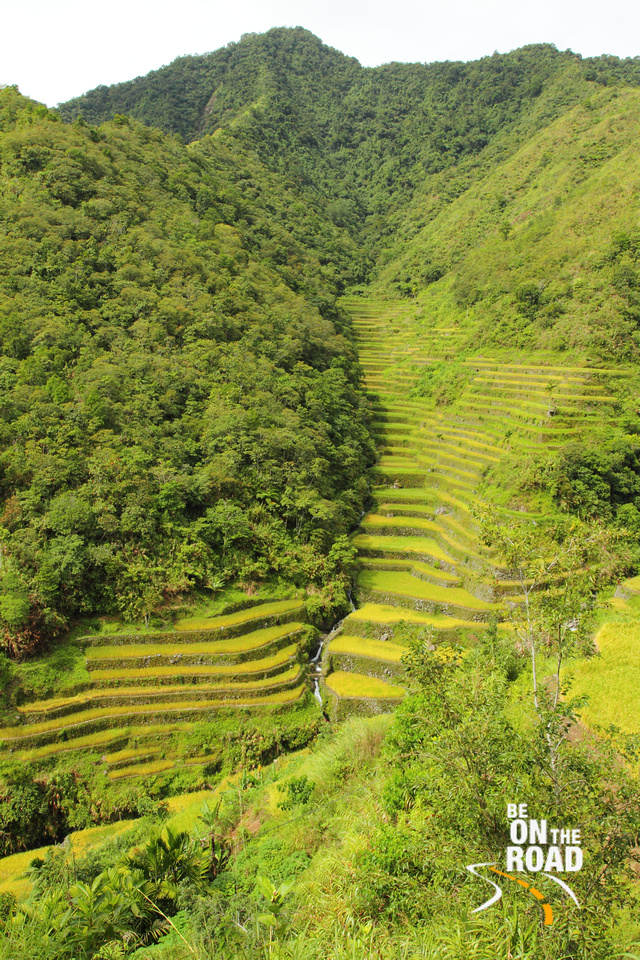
(181, 398)
(182, 410)
(365, 135)
(180, 394)
(446, 175)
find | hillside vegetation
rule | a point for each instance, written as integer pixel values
(181, 402)
(289, 345)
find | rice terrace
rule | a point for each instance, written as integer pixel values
(320, 510)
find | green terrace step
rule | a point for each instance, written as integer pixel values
(129, 755)
(249, 646)
(419, 548)
(357, 685)
(466, 439)
(405, 478)
(544, 369)
(245, 672)
(446, 452)
(498, 410)
(542, 386)
(214, 628)
(499, 402)
(392, 510)
(378, 525)
(142, 769)
(402, 508)
(393, 440)
(99, 719)
(405, 495)
(96, 742)
(399, 463)
(358, 655)
(367, 647)
(400, 588)
(444, 497)
(511, 392)
(416, 567)
(426, 495)
(465, 477)
(521, 374)
(380, 619)
(143, 698)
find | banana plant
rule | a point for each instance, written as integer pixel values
(219, 846)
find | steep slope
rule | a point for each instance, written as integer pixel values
(442, 453)
(385, 150)
(541, 251)
(146, 690)
(365, 138)
(181, 400)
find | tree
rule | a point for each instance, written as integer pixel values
(559, 567)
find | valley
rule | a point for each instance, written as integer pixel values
(319, 506)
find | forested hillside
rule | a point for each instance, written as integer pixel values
(320, 403)
(443, 170)
(180, 394)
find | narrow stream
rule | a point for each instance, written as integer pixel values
(315, 671)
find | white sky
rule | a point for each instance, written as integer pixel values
(58, 49)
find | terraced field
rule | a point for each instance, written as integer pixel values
(147, 689)
(421, 563)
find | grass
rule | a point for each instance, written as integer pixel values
(356, 685)
(141, 692)
(83, 840)
(128, 754)
(383, 613)
(169, 619)
(632, 584)
(99, 739)
(12, 868)
(424, 546)
(184, 811)
(405, 495)
(373, 520)
(249, 666)
(410, 508)
(60, 670)
(611, 680)
(23, 732)
(142, 769)
(417, 565)
(242, 616)
(248, 641)
(404, 585)
(363, 647)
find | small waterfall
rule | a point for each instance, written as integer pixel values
(315, 672)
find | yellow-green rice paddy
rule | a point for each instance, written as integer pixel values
(422, 564)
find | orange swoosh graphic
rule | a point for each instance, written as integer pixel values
(548, 912)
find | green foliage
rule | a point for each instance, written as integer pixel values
(180, 404)
(441, 383)
(181, 407)
(598, 479)
(298, 792)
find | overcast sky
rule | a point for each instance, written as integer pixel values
(58, 49)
